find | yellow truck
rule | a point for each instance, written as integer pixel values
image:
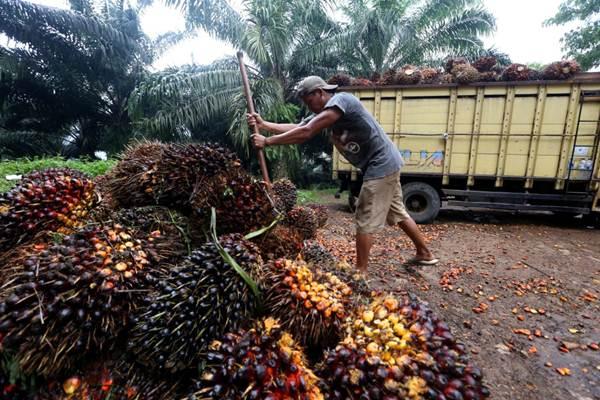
(531, 145)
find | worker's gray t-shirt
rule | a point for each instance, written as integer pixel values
(361, 140)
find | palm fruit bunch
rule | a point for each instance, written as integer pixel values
(516, 72)
(193, 303)
(340, 80)
(319, 258)
(263, 362)
(565, 69)
(101, 183)
(315, 253)
(320, 212)
(285, 195)
(485, 64)
(406, 334)
(152, 173)
(182, 232)
(312, 304)
(388, 77)
(447, 78)
(348, 372)
(242, 203)
(429, 75)
(280, 241)
(119, 380)
(11, 387)
(361, 82)
(133, 181)
(465, 74)
(488, 76)
(52, 199)
(70, 295)
(304, 220)
(408, 75)
(453, 62)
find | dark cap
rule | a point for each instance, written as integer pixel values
(312, 83)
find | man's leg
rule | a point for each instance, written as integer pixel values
(371, 210)
(409, 226)
(399, 215)
(364, 241)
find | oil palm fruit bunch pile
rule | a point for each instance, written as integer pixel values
(181, 230)
(315, 253)
(242, 203)
(70, 296)
(135, 178)
(465, 73)
(119, 380)
(261, 363)
(193, 303)
(388, 77)
(488, 76)
(51, 199)
(565, 69)
(406, 334)
(280, 241)
(453, 62)
(361, 82)
(285, 195)
(516, 72)
(11, 387)
(340, 80)
(319, 258)
(447, 78)
(349, 372)
(485, 64)
(312, 304)
(429, 75)
(153, 173)
(408, 75)
(320, 212)
(304, 220)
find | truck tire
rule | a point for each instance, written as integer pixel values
(422, 201)
(352, 199)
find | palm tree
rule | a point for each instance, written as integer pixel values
(271, 34)
(66, 75)
(378, 35)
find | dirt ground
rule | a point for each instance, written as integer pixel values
(521, 291)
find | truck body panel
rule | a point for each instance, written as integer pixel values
(543, 135)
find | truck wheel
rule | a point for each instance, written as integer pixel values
(422, 201)
(352, 199)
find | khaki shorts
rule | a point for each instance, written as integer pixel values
(380, 202)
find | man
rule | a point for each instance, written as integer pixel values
(362, 141)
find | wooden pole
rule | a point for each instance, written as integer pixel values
(260, 154)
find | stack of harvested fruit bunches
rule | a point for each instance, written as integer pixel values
(154, 173)
(70, 295)
(311, 304)
(193, 303)
(408, 353)
(53, 199)
(261, 363)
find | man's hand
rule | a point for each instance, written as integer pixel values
(259, 141)
(255, 119)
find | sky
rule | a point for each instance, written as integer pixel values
(520, 32)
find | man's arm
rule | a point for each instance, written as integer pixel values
(300, 134)
(256, 119)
